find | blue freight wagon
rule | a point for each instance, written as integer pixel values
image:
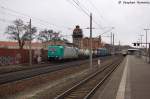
(102, 52)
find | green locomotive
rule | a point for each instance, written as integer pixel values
(58, 52)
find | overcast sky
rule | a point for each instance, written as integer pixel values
(129, 20)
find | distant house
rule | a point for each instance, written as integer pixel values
(15, 45)
(84, 42)
(96, 43)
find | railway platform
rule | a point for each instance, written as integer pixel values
(130, 81)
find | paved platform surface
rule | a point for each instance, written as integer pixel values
(130, 81)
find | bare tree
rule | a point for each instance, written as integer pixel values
(45, 35)
(20, 32)
(48, 35)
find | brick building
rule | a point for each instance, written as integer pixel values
(96, 43)
(77, 37)
(84, 43)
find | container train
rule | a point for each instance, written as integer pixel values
(58, 52)
(102, 52)
(62, 52)
(124, 52)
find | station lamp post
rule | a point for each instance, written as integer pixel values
(147, 54)
(111, 37)
(91, 41)
(141, 39)
(146, 30)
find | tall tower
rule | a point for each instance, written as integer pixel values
(77, 36)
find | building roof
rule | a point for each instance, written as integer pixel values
(133, 49)
(10, 43)
(7, 43)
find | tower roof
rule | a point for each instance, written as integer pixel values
(77, 32)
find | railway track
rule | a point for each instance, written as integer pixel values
(47, 65)
(24, 74)
(86, 88)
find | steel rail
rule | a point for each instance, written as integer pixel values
(44, 66)
(69, 91)
(91, 93)
(21, 75)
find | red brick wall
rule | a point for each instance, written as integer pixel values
(17, 56)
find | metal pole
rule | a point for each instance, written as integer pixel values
(141, 45)
(91, 40)
(149, 53)
(119, 46)
(111, 38)
(113, 45)
(141, 40)
(146, 44)
(111, 42)
(30, 50)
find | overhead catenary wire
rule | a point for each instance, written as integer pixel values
(78, 5)
(107, 31)
(91, 3)
(26, 17)
(42, 22)
(11, 22)
(5, 21)
(31, 17)
(83, 6)
(47, 22)
(98, 12)
(21, 15)
(86, 12)
(88, 9)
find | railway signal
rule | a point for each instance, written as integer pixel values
(136, 44)
(147, 52)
